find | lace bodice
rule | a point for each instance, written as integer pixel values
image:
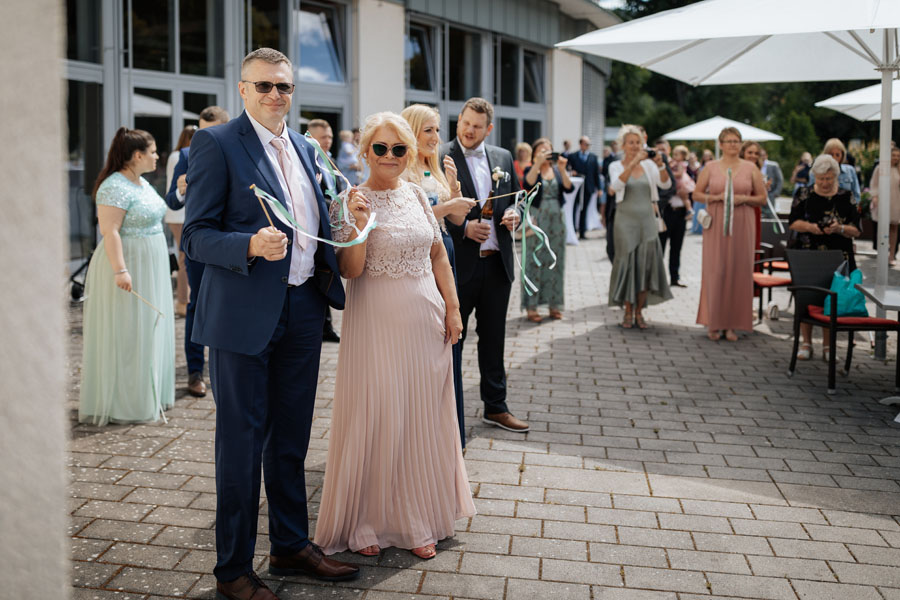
(401, 243)
(144, 209)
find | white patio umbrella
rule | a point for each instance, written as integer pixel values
(711, 128)
(146, 106)
(734, 41)
(864, 104)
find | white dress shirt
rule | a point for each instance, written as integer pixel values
(480, 170)
(303, 262)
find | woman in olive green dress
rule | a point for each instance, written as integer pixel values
(638, 277)
(547, 213)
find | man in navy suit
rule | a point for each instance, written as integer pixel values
(175, 198)
(260, 310)
(585, 163)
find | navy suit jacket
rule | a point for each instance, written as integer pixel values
(240, 301)
(181, 167)
(589, 169)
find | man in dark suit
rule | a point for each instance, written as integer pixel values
(260, 310)
(585, 164)
(673, 210)
(175, 198)
(608, 210)
(320, 131)
(484, 250)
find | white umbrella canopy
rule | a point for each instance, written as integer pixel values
(719, 42)
(711, 128)
(864, 104)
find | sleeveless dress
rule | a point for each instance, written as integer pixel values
(395, 474)
(550, 282)
(726, 289)
(638, 265)
(128, 365)
(436, 194)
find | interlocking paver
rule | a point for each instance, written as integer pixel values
(679, 467)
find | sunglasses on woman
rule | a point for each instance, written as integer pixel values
(264, 87)
(398, 150)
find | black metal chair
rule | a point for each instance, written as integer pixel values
(774, 243)
(767, 281)
(812, 272)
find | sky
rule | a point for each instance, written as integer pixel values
(611, 4)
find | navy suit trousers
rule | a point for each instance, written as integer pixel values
(264, 411)
(192, 350)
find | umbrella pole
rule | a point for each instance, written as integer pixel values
(884, 183)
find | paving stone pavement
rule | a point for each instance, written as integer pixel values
(659, 466)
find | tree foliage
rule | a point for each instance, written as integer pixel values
(662, 104)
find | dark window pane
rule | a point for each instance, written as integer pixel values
(332, 116)
(464, 62)
(533, 89)
(202, 31)
(153, 113)
(454, 122)
(321, 43)
(531, 130)
(152, 34)
(508, 134)
(83, 26)
(86, 154)
(508, 77)
(420, 59)
(194, 105)
(265, 25)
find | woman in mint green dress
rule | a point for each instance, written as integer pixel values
(128, 368)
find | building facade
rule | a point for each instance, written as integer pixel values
(156, 65)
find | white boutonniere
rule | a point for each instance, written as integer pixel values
(499, 175)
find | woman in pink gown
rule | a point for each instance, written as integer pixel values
(726, 291)
(395, 474)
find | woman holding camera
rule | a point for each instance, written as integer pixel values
(824, 217)
(638, 274)
(546, 209)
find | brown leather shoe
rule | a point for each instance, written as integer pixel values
(196, 387)
(310, 561)
(246, 587)
(506, 421)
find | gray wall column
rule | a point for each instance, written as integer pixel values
(33, 555)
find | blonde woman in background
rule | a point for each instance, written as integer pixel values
(446, 202)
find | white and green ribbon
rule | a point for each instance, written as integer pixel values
(330, 191)
(285, 217)
(728, 220)
(526, 198)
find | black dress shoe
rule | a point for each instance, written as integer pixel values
(330, 335)
(678, 283)
(246, 587)
(310, 561)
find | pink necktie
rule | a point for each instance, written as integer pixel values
(292, 177)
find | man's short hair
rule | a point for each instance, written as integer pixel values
(214, 114)
(481, 106)
(318, 124)
(269, 55)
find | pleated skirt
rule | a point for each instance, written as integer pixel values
(726, 289)
(128, 365)
(395, 474)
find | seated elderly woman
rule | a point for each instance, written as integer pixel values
(825, 218)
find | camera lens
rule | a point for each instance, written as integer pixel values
(651, 153)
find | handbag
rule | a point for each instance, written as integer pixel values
(850, 301)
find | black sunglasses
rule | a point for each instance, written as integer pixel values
(264, 87)
(398, 150)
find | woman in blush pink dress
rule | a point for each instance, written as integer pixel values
(726, 292)
(395, 474)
